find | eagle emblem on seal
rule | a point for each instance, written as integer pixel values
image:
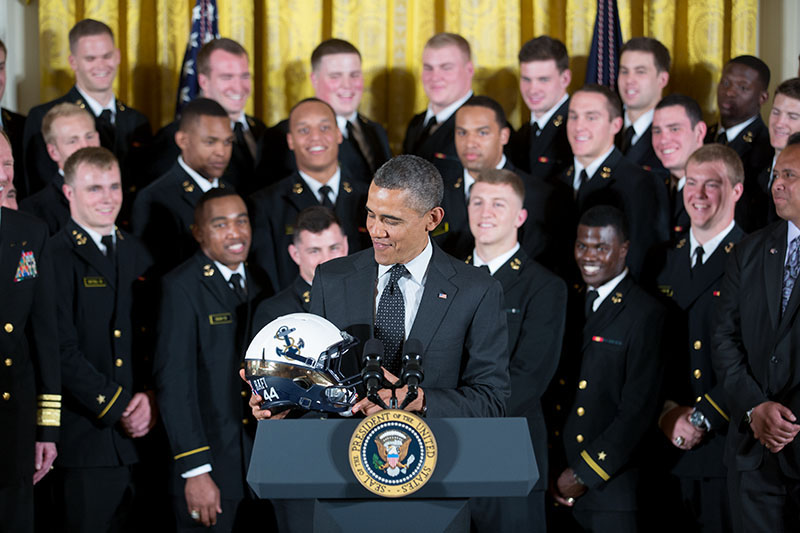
(393, 450)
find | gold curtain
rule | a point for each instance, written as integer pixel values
(280, 35)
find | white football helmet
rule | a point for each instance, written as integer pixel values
(295, 360)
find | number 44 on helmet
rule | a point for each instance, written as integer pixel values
(295, 361)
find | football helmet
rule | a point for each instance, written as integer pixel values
(295, 360)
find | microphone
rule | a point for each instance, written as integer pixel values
(411, 373)
(371, 372)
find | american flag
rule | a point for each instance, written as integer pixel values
(204, 29)
(603, 62)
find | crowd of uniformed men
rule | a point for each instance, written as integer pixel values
(651, 342)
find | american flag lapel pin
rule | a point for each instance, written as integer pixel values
(443, 295)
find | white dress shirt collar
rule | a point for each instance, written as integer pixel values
(447, 112)
(732, 132)
(97, 107)
(710, 246)
(201, 182)
(641, 124)
(590, 170)
(315, 185)
(495, 264)
(547, 115)
(606, 289)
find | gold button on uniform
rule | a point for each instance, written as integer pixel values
(698, 345)
(8, 361)
(581, 411)
(697, 400)
(582, 384)
(562, 382)
(244, 394)
(697, 373)
(579, 438)
(118, 362)
(245, 421)
(6, 396)
(117, 333)
(9, 327)
(558, 407)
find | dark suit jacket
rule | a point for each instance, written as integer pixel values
(96, 333)
(679, 219)
(163, 215)
(535, 303)
(202, 336)
(133, 135)
(768, 215)
(293, 299)
(241, 171)
(753, 146)
(14, 126)
(274, 209)
(440, 145)
(30, 372)
(49, 205)
(460, 323)
(615, 395)
(755, 346)
(638, 193)
(690, 297)
(278, 161)
(544, 156)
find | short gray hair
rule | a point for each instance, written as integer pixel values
(415, 175)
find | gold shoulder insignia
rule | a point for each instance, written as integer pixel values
(120, 106)
(570, 171)
(601, 456)
(101, 399)
(605, 173)
(297, 188)
(222, 185)
(307, 296)
(80, 103)
(250, 121)
(617, 298)
(24, 243)
(559, 120)
(515, 263)
(748, 137)
(728, 247)
(80, 238)
(119, 234)
(468, 260)
(208, 271)
(457, 184)
(346, 186)
(681, 243)
(666, 290)
(188, 186)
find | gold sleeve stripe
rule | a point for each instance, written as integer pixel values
(52, 405)
(48, 417)
(49, 397)
(191, 452)
(110, 403)
(715, 406)
(594, 466)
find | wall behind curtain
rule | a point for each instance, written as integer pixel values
(280, 35)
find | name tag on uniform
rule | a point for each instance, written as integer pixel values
(220, 318)
(92, 282)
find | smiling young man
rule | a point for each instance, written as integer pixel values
(12, 123)
(319, 180)
(677, 132)
(164, 210)
(601, 175)
(612, 369)
(695, 415)
(97, 279)
(447, 72)
(643, 73)
(223, 75)
(94, 59)
(535, 307)
(66, 129)
(202, 335)
(540, 147)
(338, 80)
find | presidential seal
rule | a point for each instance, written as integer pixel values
(393, 453)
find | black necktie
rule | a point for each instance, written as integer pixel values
(698, 262)
(105, 128)
(390, 320)
(627, 139)
(324, 192)
(535, 129)
(722, 138)
(588, 309)
(584, 178)
(235, 283)
(244, 139)
(356, 132)
(108, 241)
(426, 132)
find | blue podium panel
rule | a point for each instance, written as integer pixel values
(391, 516)
(309, 459)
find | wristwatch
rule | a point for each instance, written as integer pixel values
(748, 416)
(698, 419)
